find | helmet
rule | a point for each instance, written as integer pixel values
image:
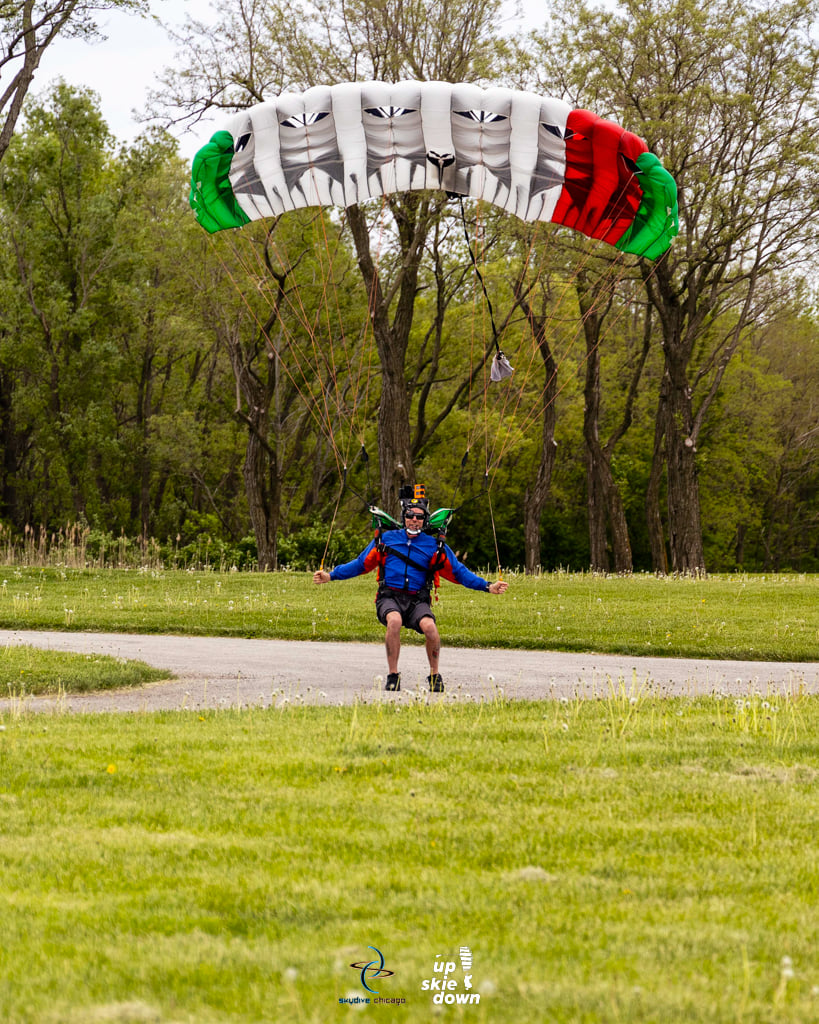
(414, 497)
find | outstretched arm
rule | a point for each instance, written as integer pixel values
(366, 562)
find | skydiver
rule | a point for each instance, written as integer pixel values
(407, 560)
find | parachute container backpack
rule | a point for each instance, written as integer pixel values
(533, 156)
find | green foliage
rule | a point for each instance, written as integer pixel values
(313, 546)
(125, 330)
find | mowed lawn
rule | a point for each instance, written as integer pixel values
(742, 616)
(631, 859)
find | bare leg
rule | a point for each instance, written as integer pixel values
(393, 640)
(433, 643)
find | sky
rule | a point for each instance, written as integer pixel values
(122, 69)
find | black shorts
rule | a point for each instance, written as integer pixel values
(411, 607)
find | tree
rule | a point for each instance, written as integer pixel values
(102, 368)
(258, 49)
(171, 379)
(727, 96)
(61, 199)
(27, 29)
(607, 515)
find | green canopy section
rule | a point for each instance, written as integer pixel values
(212, 198)
(438, 520)
(657, 219)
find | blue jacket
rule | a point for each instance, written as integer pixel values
(401, 575)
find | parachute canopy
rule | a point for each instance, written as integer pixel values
(531, 155)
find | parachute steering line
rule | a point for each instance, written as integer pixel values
(501, 368)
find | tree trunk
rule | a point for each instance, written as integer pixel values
(604, 502)
(395, 459)
(394, 442)
(263, 496)
(11, 461)
(537, 494)
(684, 525)
(535, 498)
(607, 517)
(654, 520)
(605, 506)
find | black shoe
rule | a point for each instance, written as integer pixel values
(393, 681)
(436, 683)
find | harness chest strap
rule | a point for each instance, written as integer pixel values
(432, 569)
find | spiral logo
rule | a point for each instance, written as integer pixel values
(373, 969)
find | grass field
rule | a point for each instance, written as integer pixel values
(26, 670)
(630, 859)
(633, 859)
(774, 618)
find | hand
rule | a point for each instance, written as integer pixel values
(498, 587)
(320, 576)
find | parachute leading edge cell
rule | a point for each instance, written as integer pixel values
(533, 156)
(212, 198)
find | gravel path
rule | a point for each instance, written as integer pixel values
(214, 672)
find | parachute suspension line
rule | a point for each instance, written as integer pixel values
(312, 405)
(335, 514)
(294, 301)
(499, 360)
(328, 389)
(516, 430)
(369, 327)
(323, 311)
(368, 332)
(492, 520)
(346, 485)
(611, 279)
(513, 396)
(504, 370)
(472, 421)
(464, 461)
(347, 355)
(329, 396)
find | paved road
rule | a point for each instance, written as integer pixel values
(212, 672)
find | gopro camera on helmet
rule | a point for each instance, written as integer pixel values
(414, 496)
(412, 492)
